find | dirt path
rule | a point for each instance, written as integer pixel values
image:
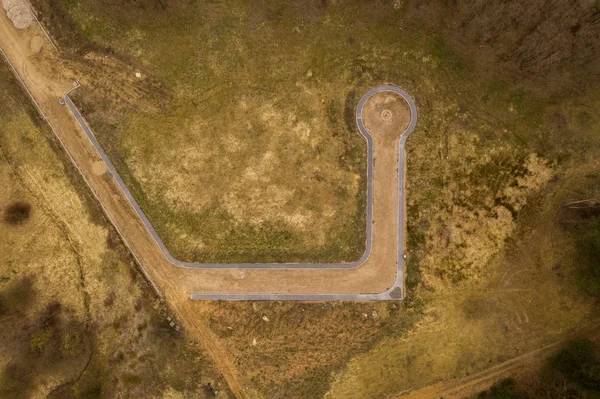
(212, 345)
(472, 385)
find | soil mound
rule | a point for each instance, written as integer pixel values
(18, 12)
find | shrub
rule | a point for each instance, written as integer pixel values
(589, 244)
(578, 364)
(110, 299)
(40, 339)
(505, 389)
(17, 213)
(17, 296)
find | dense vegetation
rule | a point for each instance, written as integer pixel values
(589, 242)
(17, 213)
(574, 372)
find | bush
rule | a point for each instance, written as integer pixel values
(578, 363)
(589, 244)
(40, 340)
(17, 213)
(50, 317)
(131, 379)
(504, 389)
(17, 296)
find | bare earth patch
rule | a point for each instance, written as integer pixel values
(386, 114)
(99, 168)
(36, 43)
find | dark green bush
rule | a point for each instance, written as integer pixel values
(505, 389)
(578, 363)
(17, 213)
(589, 244)
(17, 296)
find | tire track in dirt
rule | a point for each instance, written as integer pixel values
(214, 348)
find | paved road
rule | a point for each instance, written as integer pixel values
(394, 293)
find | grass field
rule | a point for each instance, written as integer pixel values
(253, 154)
(79, 320)
(246, 176)
(249, 151)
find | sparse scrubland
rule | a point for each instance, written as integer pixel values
(239, 143)
(78, 320)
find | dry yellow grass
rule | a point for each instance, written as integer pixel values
(481, 156)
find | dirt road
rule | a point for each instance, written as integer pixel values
(397, 120)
